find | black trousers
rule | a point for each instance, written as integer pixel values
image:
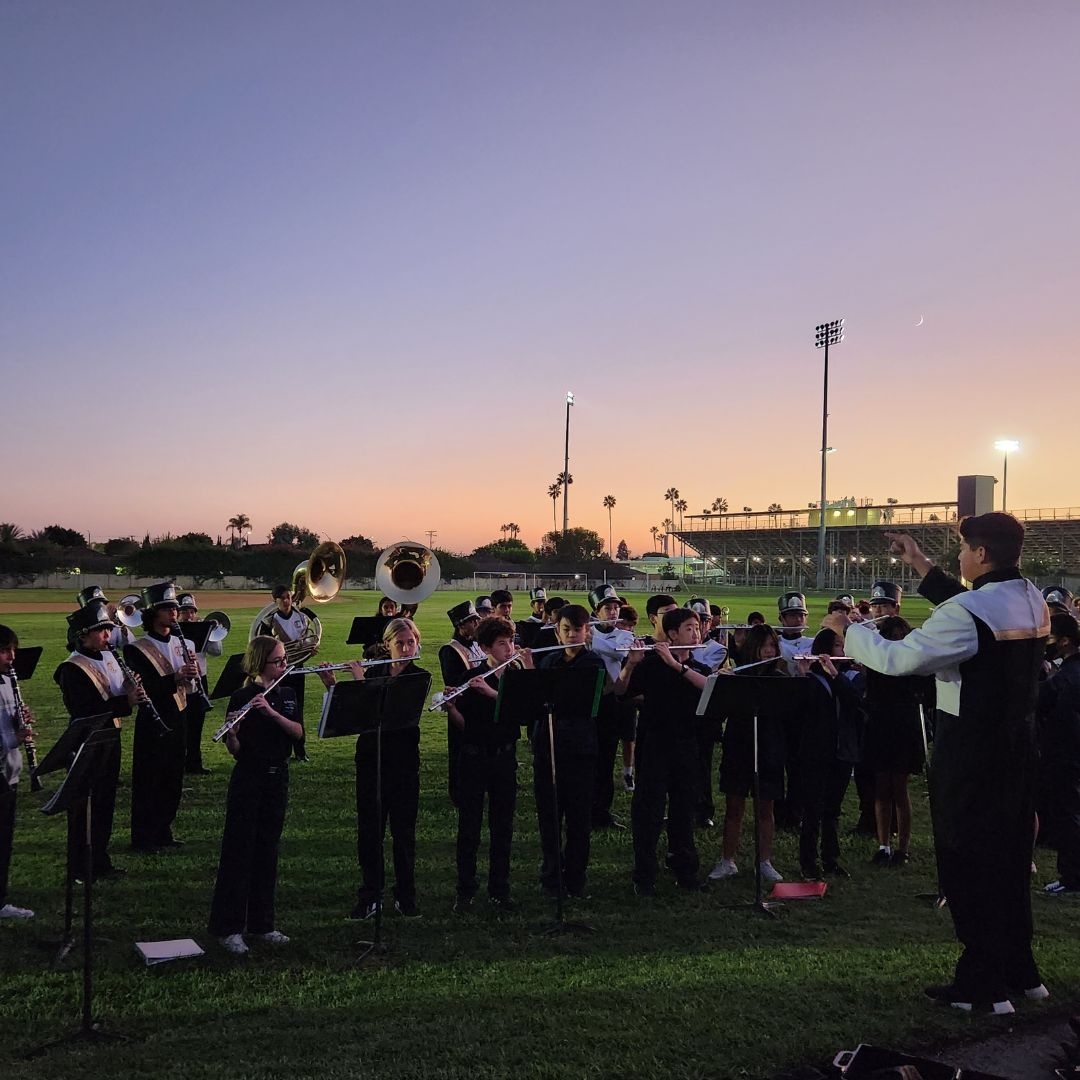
(247, 870)
(296, 684)
(7, 834)
(196, 715)
(823, 785)
(400, 801)
(667, 775)
(575, 776)
(705, 803)
(492, 773)
(608, 727)
(101, 818)
(157, 779)
(453, 749)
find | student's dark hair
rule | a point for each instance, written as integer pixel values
(864, 607)
(756, 637)
(674, 619)
(1001, 534)
(894, 627)
(501, 596)
(755, 616)
(576, 615)
(823, 642)
(628, 613)
(279, 591)
(8, 638)
(491, 629)
(656, 602)
(553, 603)
(385, 600)
(1062, 625)
(715, 610)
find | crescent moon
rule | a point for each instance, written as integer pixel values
(920, 322)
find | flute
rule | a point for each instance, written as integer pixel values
(236, 717)
(441, 699)
(649, 648)
(363, 663)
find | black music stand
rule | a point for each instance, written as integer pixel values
(361, 707)
(367, 629)
(26, 662)
(527, 631)
(231, 678)
(196, 632)
(937, 899)
(535, 696)
(90, 759)
(725, 695)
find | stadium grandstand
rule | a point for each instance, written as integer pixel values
(778, 548)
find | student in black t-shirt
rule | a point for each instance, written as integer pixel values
(575, 765)
(255, 808)
(670, 682)
(487, 766)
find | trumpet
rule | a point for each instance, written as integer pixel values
(28, 741)
(234, 718)
(363, 663)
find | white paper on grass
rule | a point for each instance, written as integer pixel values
(157, 952)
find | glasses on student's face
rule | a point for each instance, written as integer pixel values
(277, 660)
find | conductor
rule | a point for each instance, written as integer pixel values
(985, 647)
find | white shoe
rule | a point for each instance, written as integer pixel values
(272, 937)
(769, 872)
(1037, 993)
(235, 944)
(724, 868)
(10, 911)
(627, 780)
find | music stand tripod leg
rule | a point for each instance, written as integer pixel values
(376, 946)
(560, 926)
(760, 903)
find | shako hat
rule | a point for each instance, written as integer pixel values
(91, 592)
(186, 600)
(699, 606)
(602, 595)
(91, 616)
(1060, 597)
(460, 613)
(792, 602)
(885, 592)
(537, 594)
(163, 595)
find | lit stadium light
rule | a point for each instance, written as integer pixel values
(825, 334)
(1006, 447)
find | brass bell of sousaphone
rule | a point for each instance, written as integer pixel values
(407, 572)
(128, 611)
(321, 577)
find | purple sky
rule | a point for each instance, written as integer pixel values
(338, 263)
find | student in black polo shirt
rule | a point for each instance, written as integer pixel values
(487, 766)
(670, 682)
(575, 766)
(255, 809)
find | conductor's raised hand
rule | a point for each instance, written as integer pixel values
(904, 546)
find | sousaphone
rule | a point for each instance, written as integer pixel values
(407, 572)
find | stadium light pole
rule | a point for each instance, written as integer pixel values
(1007, 447)
(825, 334)
(566, 464)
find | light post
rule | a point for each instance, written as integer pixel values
(566, 464)
(825, 334)
(1006, 447)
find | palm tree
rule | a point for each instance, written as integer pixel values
(609, 502)
(667, 524)
(774, 509)
(239, 524)
(513, 529)
(554, 491)
(681, 505)
(720, 505)
(10, 532)
(655, 532)
(504, 529)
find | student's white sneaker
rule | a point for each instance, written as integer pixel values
(628, 780)
(724, 868)
(10, 911)
(769, 872)
(272, 937)
(235, 944)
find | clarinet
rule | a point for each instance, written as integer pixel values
(146, 703)
(195, 689)
(28, 742)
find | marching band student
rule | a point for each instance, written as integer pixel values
(487, 766)
(291, 624)
(120, 634)
(894, 746)
(628, 620)
(830, 743)
(458, 658)
(502, 603)
(400, 787)
(712, 657)
(388, 608)
(737, 763)
(656, 607)
(483, 605)
(575, 764)
(605, 641)
(243, 900)
(157, 760)
(537, 601)
(737, 641)
(546, 635)
(189, 612)
(14, 731)
(670, 682)
(91, 683)
(793, 613)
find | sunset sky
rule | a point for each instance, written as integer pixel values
(338, 263)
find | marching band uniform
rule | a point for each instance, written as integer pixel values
(985, 648)
(711, 657)
(92, 683)
(193, 762)
(10, 769)
(299, 623)
(789, 809)
(458, 661)
(157, 766)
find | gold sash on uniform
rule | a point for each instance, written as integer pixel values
(159, 664)
(95, 674)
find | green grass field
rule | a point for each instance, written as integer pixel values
(681, 985)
